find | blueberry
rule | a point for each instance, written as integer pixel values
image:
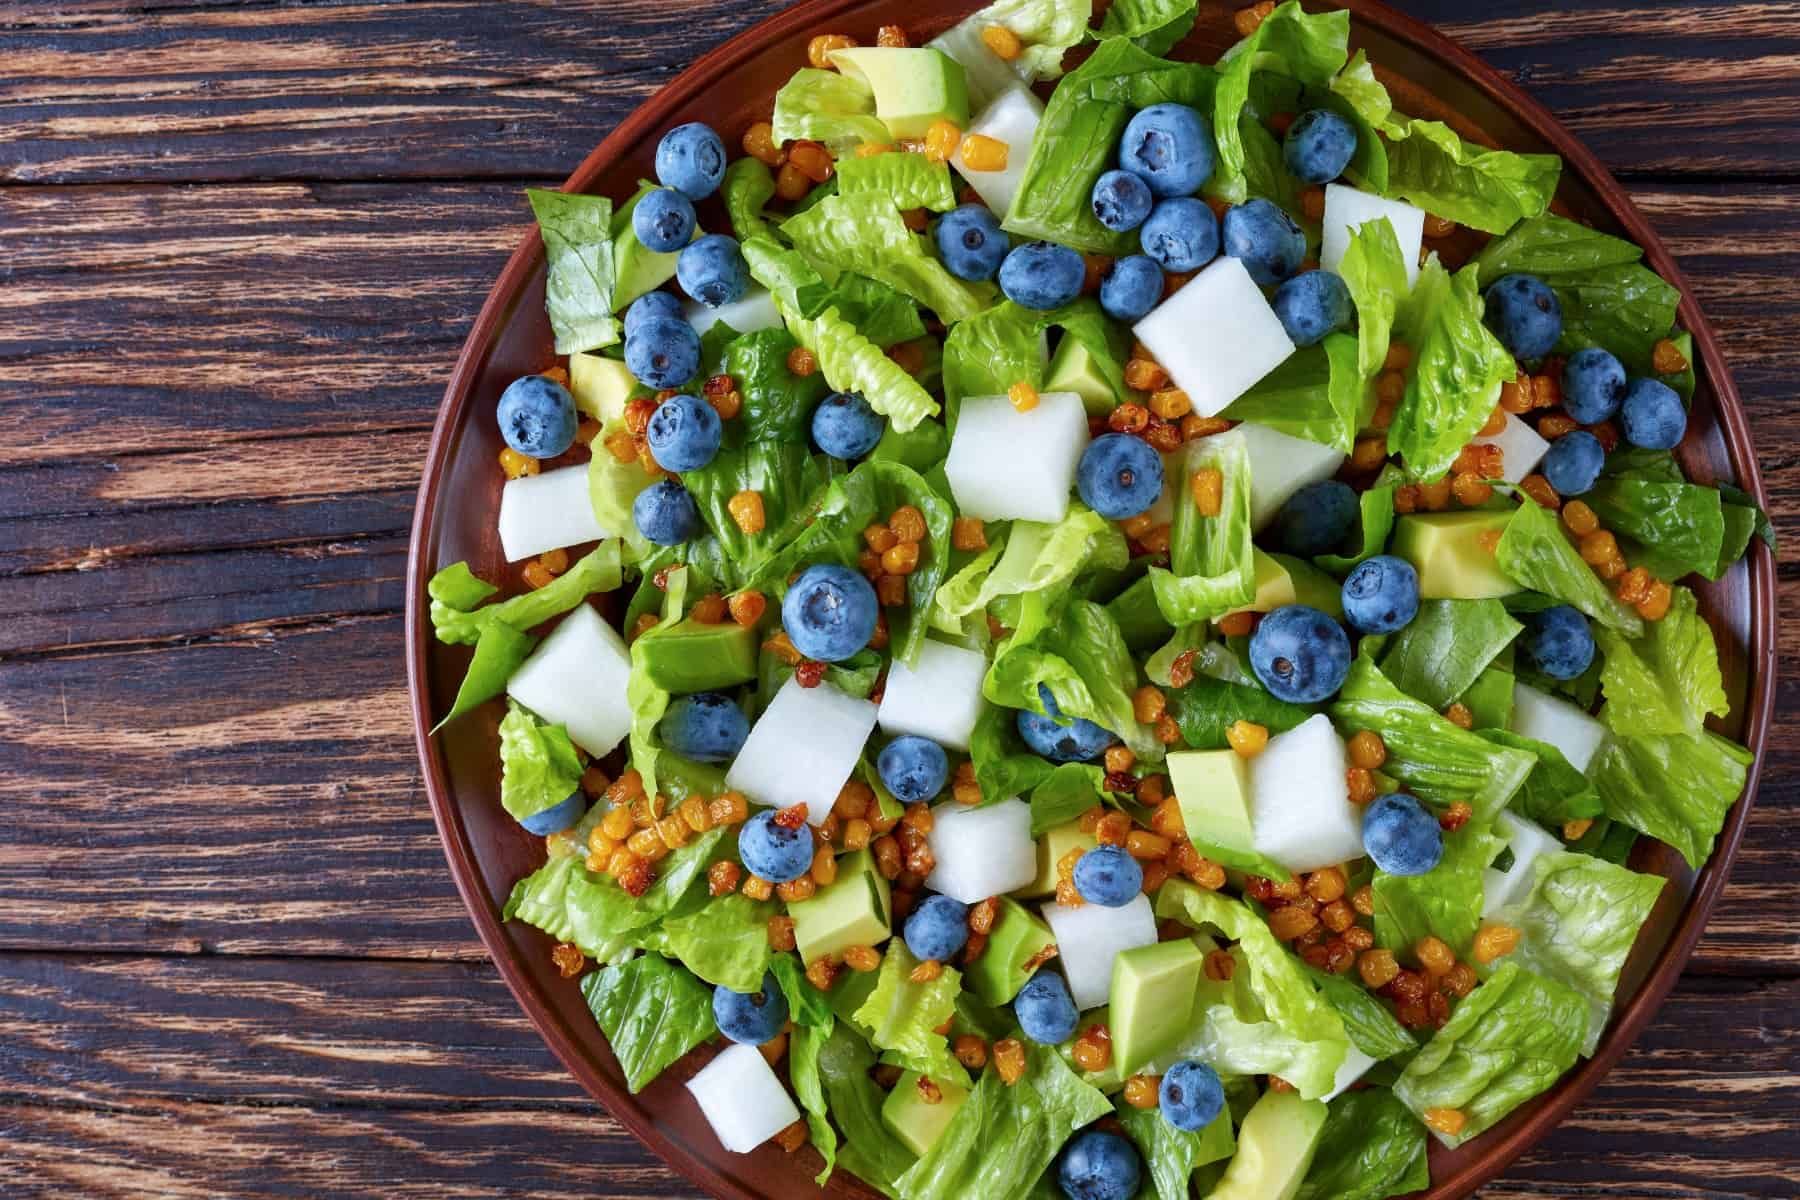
(936, 928)
(665, 514)
(1525, 314)
(556, 818)
(971, 242)
(1108, 876)
(1381, 595)
(1191, 1095)
(1318, 146)
(712, 270)
(1042, 275)
(1573, 462)
(844, 426)
(1121, 200)
(1593, 386)
(663, 220)
(649, 305)
(663, 353)
(829, 613)
(1265, 239)
(683, 433)
(913, 768)
(537, 416)
(1078, 741)
(1401, 836)
(1119, 476)
(754, 1018)
(1131, 287)
(691, 159)
(1313, 304)
(1316, 519)
(1099, 1166)
(706, 727)
(1171, 147)
(1558, 642)
(1182, 234)
(774, 852)
(1300, 654)
(1654, 418)
(1045, 1010)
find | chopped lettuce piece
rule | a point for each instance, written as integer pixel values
(1667, 681)
(1046, 29)
(1074, 648)
(902, 1017)
(1550, 245)
(1069, 790)
(748, 187)
(1445, 901)
(1357, 96)
(1031, 557)
(456, 588)
(1438, 657)
(1004, 764)
(499, 650)
(539, 768)
(987, 354)
(869, 1150)
(880, 313)
(612, 487)
(786, 476)
(805, 1046)
(599, 570)
(1535, 554)
(1213, 568)
(1554, 792)
(1155, 25)
(908, 180)
(1490, 190)
(863, 232)
(806, 1004)
(777, 404)
(830, 107)
(651, 1011)
(1674, 528)
(1372, 1148)
(1375, 272)
(1458, 367)
(1675, 787)
(598, 916)
(1207, 707)
(1316, 394)
(724, 941)
(1309, 48)
(1171, 1154)
(578, 293)
(1372, 1028)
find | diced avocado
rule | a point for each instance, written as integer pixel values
(693, 657)
(913, 86)
(1283, 579)
(916, 1123)
(1073, 369)
(853, 910)
(1447, 551)
(1152, 999)
(1275, 1147)
(1213, 790)
(1051, 846)
(637, 270)
(1018, 938)
(600, 385)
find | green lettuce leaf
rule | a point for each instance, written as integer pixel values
(1490, 702)
(805, 1046)
(1555, 791)
(1046, 29)
(1535, 554)
(1549, 246)
(1069, 790)
(1667, 681)
(908, 180)
(1316, 394)
(777, 404)
(578, 293)
(748, 187)
(595, 914)
(1140, 620)
(724, 941)
(987, 354)
(830, 107)
(1458, 367)
(806, 1004)
(1306, 47)
(1490, 190)
(1032, 557)
(1155, 25)
(1357, 96)
(1372, 1148)
(1207, 707)
(869, 1150)
(1004, 764)
(456, 589)
(1372, 1028)
(863, 232)
(599, 570)
(1674, 528)
(1212, 561)
(1445, 901)
(539, 768)
(1677, 787)
(499, 651)
(880, 313)
(1444, 650)
(901, 1016)
(651, 1011)
(1375, 272)
(1075, 649)
(1171, 1154)
(784, 473)
(1375, 523)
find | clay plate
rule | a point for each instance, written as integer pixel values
(729, 88)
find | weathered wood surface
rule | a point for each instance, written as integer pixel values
(239, 247)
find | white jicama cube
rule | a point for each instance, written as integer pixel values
(1007, 465)
(1013, 120)
(546, 512)
(1300, 810)
(1554, 720)
(576, 678)
(1281, 465)
(1090, 936)
(940, 698)
(742, 1099)
(752, 311)
(1347, 209)
(1356, 1064)
(802, 749)
(1521, 447)
(1526, 840)
(1216, 337)
(981, 852)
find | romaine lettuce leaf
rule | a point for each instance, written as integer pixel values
(1004, 764)
(499, 651)
(1207, 707)
(724, 941)
(1555, 791)
(1674, 528)
(748, 186)
(1445, 901)
(1069, 790)
(651, 1011)
(1458, 367)
(599, 570)
(1490, 190)
(1036, 558)
(805, 1045)
(1438, 657)
(539, 768)
(830, 107)
(880, 313)
(1155, 25)
(1676, 787)
(863, 232)
(987, 354)
(1549, 245)
(1372, 1028)
(1316, 394)
(1536, 555)
(869, 1150)
(806, 1004)
(612, 487)
(1309, 48)
(1490, 702)
(1667, 681)
(1213, 568)
(1171, 1154)
(902, 1017)
(578, 293)
(1375, 272)
(1074, 648)
(777, 404)
(783, 473)
(1372, 1148)
(908, 180)
(456, 589)
(1357, 96)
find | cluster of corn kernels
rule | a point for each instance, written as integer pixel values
(1598, 547)
(1162, 851)
(1313, 913)
(892, 551)
(1151, 707)
(639, 829)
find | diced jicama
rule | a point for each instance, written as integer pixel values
(803, 749)
(577, 679)
(1281, 465)
(1554, 720)
(546, 512)
(1356, 1064)
(1521, 447)
(752, 311)
(981, 852)
(742, 1099)
(1008, 465)
(1347, 209)
(1526, 839)
(1217, 336)
(1090, 936)
(1013, 119)
(1301, 815)
(939, 698)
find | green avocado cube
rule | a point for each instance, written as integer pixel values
(636, 268)
(691, 656)
(1152, 999)
(1447, 551)
(1275, 1148)
(1073, 369)
(1017, 941)
(913, 86)
(600, 385)
(1051, 846)
(1283, 579)
(855, 909)
(1212, 788)
(917, 1122)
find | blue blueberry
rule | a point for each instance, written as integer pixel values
(1593, 386)
(683, 433)
(1401, 836)
(1313, 304)
(1381, 595)
(754, 1018)
(1182, 234)
(1558, 642)
(1108, 876)
(1045, 1009)
(1078, 741)
(1300, 654)
(663, 220)
(650, 305)
(1042, 275)
(1131, 287)
(712, 270)
(705, 726)
(936, 928)
(537, 416)
(1316, 519)
(691, 159)
(1121, 200)
(971, 242)
(1318, 146)
(774, 852)
(1171, 147)
(1119, 476)
(844, 426)
(829, 613)
(1525, 314)
(1265, 239)
(663, 353)
(665, 514)
(1098, 1165)
(556, 818)
(1573, 462)
(913, 768)
(1654, 418)
(1191, 1095)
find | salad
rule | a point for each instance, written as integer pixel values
(1103, 639)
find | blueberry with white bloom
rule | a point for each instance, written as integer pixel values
(1131, 287)
(1098, 1165)
(1573, 462)
(1558, 642)
(1381, 595)
(537, 416)
(691, 159)
(1593, 385)
(829, 612)
(704, 726)
(936, 928)
(1265, 239)
(1525, 315)
(1300, 654)
(1078, 740)
(1191, 1095)
(754, 1018)
(1046, 1011)
(665, 514)
(913, 768)
(774, 851)
(663, 352)
(1121, 200)
(1171, 147)
(712, 270)
(684, 433)
(1042, 275)
(557, 817)
(663, 220)
(1653, 416)
(1313, 304)
(971, 242)
(1119, 476)
(1318, 146)
(666, 305)
(1401, 835)
(1317, 518)
(1108, 876)
(845, 426)
(1182, 234)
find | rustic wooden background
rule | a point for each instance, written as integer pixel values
(240, 244)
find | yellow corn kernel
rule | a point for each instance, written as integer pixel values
(983, 153)
(536, 575)
(1207, 486)
(516, 465)
(760, 144)
(818, 51)
(1248, 738)
(747, 510)
(1002, 41)
(1495, 941)
(1171, 404)
(941, 140)
(1447, 1121)
(1024, 397)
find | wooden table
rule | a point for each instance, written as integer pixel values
(239, 247)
